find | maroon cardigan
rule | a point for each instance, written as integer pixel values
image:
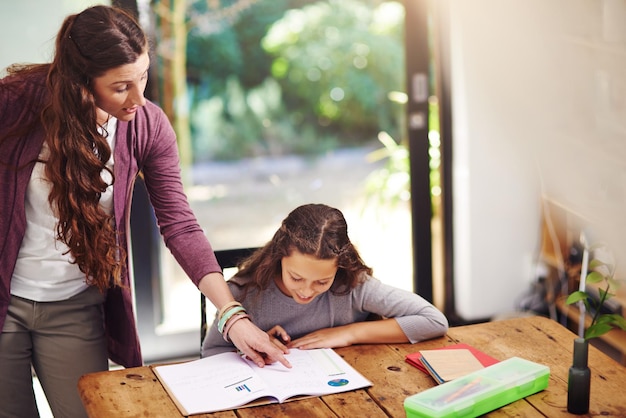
(146, 144)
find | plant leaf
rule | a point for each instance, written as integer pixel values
(614, 284)
(594, 277)
(576, 297)
(618, 321)
(595, 263)
(597, 330)
(605, 319)
(603, 292)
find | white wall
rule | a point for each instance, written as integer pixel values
(539, 108)
(28, 28)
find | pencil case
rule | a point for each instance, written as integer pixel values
(480, 392)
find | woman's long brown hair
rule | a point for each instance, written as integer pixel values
(88, 45)
(312, 229)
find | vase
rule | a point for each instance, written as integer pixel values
(579, 379)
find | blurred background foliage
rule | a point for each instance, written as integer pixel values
(277, 77)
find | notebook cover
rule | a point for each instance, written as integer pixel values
(485, 359)
(447, 365)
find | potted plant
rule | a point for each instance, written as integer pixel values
(601, 274)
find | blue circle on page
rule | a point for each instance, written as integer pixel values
(338, 382)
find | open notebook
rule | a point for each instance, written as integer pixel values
(228, 380)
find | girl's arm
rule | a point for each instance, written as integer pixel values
(368, 332)
(419, 319)
(409, 318)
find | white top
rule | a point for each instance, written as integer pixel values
(44, 271)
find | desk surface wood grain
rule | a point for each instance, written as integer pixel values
(136, 392)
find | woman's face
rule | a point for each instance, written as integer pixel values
(119, 91)
(304, 277)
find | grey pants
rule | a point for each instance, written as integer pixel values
(61, 341)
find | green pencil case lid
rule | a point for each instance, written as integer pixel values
(480, 392)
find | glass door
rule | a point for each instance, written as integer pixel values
(285, 103)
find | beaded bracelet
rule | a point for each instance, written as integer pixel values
(226, 307)
(230, 323)
(222, 321)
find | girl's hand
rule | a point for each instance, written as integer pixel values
(279, 337)
(367, 332)
(324, 338)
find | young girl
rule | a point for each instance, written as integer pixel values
(309, 288)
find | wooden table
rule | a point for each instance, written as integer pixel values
(136, 392)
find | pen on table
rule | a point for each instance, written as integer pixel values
(463, 390)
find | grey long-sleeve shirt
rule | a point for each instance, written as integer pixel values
(418, 318)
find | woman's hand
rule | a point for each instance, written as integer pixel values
(279, 337)
(246, 336)
(256, 344)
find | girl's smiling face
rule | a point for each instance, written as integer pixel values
(304, 277)
(119, 91)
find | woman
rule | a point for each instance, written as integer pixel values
(309, 288)
(74, 135)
